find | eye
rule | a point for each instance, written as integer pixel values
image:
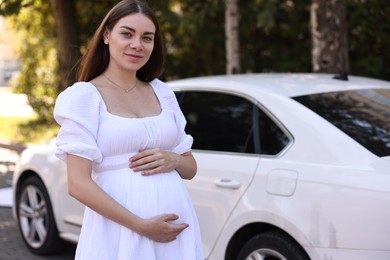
(127, 34)
(148, 38)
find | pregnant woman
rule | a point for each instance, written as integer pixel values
(123, 139)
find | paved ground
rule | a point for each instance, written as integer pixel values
(11, 244)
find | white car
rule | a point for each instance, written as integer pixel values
(290, 166)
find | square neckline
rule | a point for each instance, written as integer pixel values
(124, 117)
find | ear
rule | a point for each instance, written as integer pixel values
(106, 35)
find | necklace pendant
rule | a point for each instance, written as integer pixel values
(116, 85)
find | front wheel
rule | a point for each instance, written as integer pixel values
(35, 218)
(272, 245)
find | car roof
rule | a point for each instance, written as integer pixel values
(284, 84)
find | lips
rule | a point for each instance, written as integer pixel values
(133, 56)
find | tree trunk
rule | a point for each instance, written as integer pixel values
(329, 36)
(68, 50)
(232, 37)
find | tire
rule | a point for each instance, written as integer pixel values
(272, 245)
(36, 220)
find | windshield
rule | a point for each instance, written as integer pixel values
(364, 115)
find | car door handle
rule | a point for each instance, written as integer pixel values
(227, 183)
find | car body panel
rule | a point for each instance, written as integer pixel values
(41, 160)
(334, 212)
(281, 84)
(215, 174)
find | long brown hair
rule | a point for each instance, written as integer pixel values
(97, 56)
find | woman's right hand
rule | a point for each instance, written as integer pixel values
(160, 229)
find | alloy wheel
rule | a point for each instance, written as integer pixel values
(33, 216)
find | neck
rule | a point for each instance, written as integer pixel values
(125, 87)
(121, 76)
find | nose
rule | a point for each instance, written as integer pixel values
(136, 43)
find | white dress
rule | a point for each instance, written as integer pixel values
(88, 130)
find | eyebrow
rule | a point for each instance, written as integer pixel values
(133, 30)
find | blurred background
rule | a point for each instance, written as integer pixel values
(41, 42)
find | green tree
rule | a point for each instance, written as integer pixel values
(329, 36)
(232, 18)
(38, 51)
(50, 46)
(194, 35)
(369, 40)
(275, 36)
(67, 38)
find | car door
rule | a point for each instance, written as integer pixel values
(222, 127)
(71, 210)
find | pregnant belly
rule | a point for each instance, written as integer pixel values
(146, 196)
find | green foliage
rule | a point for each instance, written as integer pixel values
(195, 39)
(275, 36)
(8, 127)
(10, 7)
(26, 130)
(37, 78)
(37, 131)
(265, 14)
(369, 40)
(89, 15)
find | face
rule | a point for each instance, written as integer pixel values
(130, 42)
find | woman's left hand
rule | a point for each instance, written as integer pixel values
(152, 161)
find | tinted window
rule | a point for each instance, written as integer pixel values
(364, 115)
(224, 122)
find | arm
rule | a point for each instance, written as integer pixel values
(83, 188)
(187, 166)
(154, 161)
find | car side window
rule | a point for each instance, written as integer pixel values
(229, 123)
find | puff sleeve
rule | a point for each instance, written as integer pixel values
(184, 140)
(77, 111)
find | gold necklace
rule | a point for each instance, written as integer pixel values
(124, 89)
